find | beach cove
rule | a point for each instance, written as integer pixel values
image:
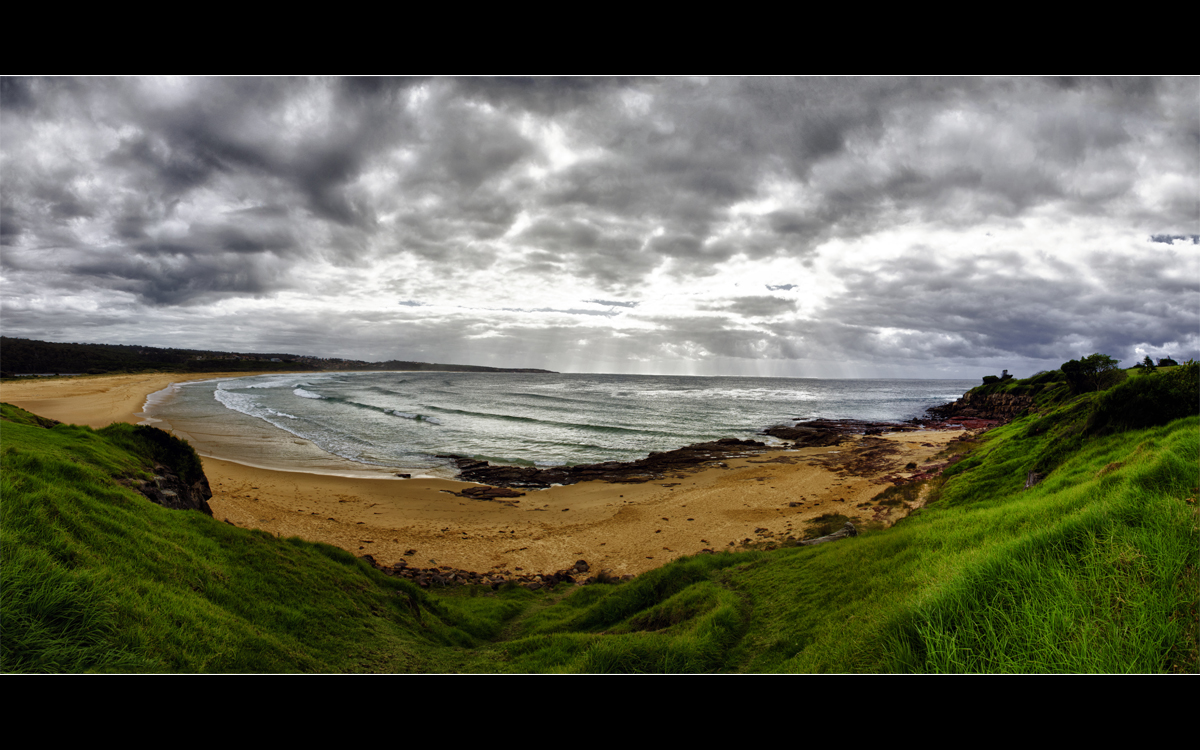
(623, 528)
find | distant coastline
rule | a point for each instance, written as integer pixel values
(20, 357)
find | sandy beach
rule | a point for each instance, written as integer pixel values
(622, 528)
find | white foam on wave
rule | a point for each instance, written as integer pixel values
(717, 395)
(160, 397)
(306, 394)
(236, 401)
(344, 445)
(270, 381)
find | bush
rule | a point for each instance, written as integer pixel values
(1155, 398)
(1093, 373)
(1046, 377)
(989, 379)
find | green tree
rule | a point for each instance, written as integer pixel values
(1092, 373)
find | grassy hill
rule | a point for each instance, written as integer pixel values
(1092, 569)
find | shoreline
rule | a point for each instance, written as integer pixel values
(623, 528)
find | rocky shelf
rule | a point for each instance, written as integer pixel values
(655, 466)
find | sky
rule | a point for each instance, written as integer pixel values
(807, 227)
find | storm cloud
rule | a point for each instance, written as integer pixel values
(806, 227)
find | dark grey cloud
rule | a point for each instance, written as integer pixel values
(177, 276)
(992, 305)
(467, 148)
(15, 94)
(545, 96)
(682, 246)
(608, 252)
(194, 196)
(11, 224)
(1169, 239)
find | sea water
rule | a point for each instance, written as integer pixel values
(365, 422)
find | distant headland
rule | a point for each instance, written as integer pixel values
(25, 356)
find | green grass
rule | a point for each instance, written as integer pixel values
(97, 578)
(1092, 570)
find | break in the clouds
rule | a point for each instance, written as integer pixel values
(805, 227)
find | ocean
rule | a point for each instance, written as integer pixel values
(373, 423)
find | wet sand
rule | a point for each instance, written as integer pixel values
(95, 400)
(622, 528)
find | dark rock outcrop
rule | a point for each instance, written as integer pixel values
(178, 480)
(806, 437)
(817, 433)
(653, 467)
(169, 491)
(444, 575)
(1002, 407)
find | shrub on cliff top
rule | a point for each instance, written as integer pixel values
(1096, 372)
(989, 379)
(1153, 399)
